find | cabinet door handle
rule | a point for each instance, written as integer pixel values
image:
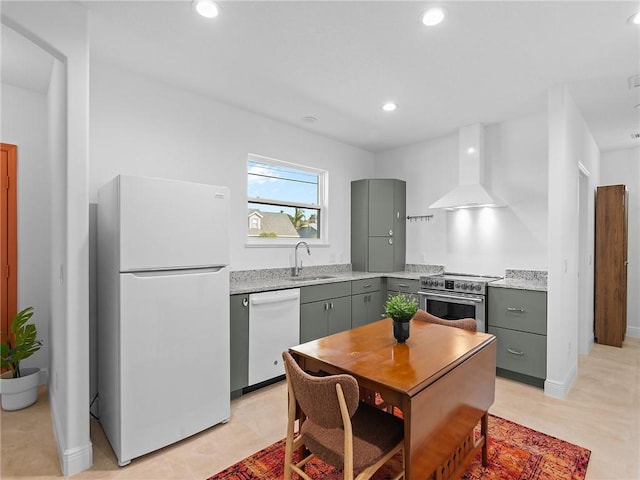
(515, 352)
(514, 309)
(403, 285)
(391, 233)
(245, 301)
(331, 305)
(391, 241)
(326, 305)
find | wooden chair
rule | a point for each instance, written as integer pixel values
(337, 428)
(464, 323)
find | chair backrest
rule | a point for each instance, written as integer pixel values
(463, 323)
(317, 396)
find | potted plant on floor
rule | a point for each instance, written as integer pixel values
(19, 387)
(400, 308)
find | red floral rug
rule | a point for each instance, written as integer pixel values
(515, 452)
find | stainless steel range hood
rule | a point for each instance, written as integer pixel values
(471, 191)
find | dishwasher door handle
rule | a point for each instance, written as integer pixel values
(274, 299)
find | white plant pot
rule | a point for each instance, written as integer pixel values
(20, 392)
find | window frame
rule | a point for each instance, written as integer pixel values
(321, 206)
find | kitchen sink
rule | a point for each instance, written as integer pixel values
(315, 277)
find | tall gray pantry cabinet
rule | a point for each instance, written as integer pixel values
(378, 225)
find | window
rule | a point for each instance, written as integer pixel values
(285, 201)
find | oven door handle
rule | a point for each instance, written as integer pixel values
(452, 297)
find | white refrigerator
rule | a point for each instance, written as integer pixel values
(163, 312)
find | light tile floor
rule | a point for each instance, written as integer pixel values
(601, 413)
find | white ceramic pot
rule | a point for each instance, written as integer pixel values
(20, 392)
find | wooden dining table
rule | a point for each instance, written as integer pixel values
(442, 379)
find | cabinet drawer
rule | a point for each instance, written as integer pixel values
(403, 285)
(521, 352)
(364, 286)
(524, 310)
(314, 293)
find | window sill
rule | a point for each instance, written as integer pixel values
(284, 244)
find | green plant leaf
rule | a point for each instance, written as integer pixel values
(25, 342)
(400, 307)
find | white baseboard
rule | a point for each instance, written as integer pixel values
(44, 376)
(73, 460)
(633, 332)
(560, 390)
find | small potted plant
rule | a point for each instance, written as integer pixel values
(400, 308)
(19, 387)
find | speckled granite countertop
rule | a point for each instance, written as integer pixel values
(523, 280)
(263, 280)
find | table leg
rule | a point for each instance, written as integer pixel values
(484, 428)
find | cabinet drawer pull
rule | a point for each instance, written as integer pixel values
(403, 285)
(515, 352)
(368, 285)
(514, 309)
(245, 301)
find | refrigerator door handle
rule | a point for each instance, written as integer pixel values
(171, 273)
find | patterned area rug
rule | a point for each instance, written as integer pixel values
(515, 452)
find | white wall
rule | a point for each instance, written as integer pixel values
(61, 30)
(479, 241)
(570, 143)
(143, 127)
(24, 123)
(623, 167)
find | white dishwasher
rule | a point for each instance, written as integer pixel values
(274, 326)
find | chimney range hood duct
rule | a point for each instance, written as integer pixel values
(470, 191)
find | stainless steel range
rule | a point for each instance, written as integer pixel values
(453, 296)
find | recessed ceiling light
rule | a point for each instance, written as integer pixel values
(206, 8)
(389, 107)
(433, 16)
(635, 19)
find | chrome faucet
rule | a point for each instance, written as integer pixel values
(296, 268)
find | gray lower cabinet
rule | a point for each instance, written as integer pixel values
(366, 301)
(400, 285)
(324, 309)
(518, 319)
(239, 332)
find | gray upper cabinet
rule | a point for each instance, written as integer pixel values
(378, 225)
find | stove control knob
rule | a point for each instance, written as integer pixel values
(478, 287)
(463, 286)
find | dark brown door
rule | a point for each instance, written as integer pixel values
(8, 236)
(611, 265)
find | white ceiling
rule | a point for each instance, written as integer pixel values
(340, 61)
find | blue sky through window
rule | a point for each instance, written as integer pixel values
(277, 182)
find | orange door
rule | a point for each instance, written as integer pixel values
(8, 236)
